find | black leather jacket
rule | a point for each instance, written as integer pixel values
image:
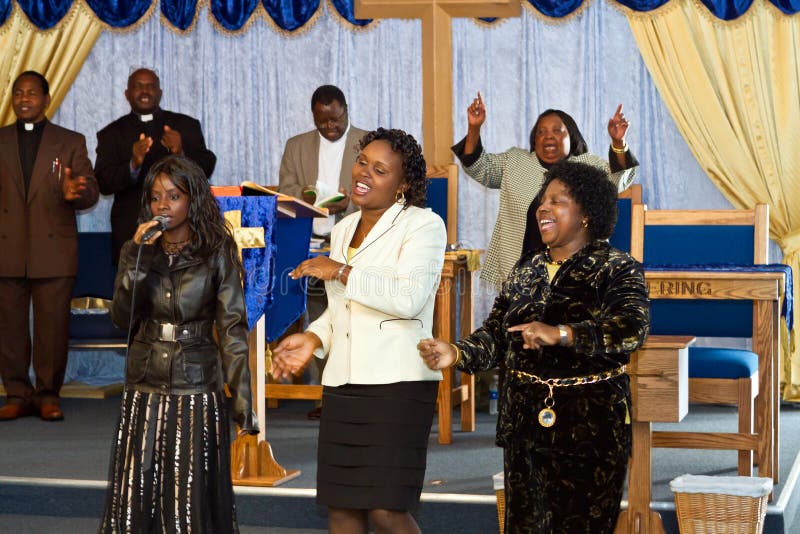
(173, 349)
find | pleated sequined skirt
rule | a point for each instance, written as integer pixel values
(373, 444)
(170, 466)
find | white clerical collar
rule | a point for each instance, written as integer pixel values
(146, 118)
(28, 126)
(342, 139)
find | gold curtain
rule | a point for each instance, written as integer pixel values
(58, 53)
(733, 89)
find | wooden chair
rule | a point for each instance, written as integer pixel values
(716, 375)
(453, 316)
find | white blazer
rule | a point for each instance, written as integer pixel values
(371, 327)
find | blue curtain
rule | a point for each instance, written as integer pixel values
(292, 15)
(180, 13)
(44, 14)
(119, 13)
(233, 14)
(345, 10)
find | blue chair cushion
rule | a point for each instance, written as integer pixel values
(713, 362)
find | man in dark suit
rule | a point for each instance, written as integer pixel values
(129, 146)
(322, 160)
(45, 176)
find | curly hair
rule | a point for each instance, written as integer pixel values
(577, 144)
(414, 167)
(209, 231)
(591, 189)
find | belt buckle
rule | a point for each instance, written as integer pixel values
(167, 331)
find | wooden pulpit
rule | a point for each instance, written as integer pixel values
(659, 373)
(252, 460)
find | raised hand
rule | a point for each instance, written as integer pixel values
(172, 140)
(72, 186)
(142, 229)
(476, 112)
(618, 127)
(140, 149)
(436, 353)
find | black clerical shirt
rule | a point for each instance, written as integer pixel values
(28, 147)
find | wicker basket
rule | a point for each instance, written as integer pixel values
(499, 490)
(721, 505)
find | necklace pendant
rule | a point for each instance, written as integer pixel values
(547, 417)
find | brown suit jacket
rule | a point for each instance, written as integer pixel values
(300, 158)
(39, 232)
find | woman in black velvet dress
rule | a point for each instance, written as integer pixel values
(563, 326)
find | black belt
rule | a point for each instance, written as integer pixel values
(176, 332)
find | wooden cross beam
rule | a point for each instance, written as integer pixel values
(437, 58)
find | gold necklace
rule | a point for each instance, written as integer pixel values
(550, 260)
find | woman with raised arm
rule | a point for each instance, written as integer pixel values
(519, 175)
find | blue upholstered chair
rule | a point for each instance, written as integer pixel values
(621, 238)
(92, 292)
(442, 196)
(682, 238)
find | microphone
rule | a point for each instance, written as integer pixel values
(161, 226)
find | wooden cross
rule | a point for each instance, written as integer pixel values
(437, 58)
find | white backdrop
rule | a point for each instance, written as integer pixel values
(252, 91)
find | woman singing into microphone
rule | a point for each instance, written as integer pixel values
(170, 463)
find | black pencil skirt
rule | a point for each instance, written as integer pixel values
(373, 443)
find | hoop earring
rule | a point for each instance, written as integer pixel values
(400, 197)
(585, 223)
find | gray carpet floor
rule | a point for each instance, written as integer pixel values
(79, 448)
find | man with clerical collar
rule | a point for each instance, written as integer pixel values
(45, 177)
(317, 164)
(129, 146)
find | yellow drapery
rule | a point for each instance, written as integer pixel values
(58, 53)
(733, 89)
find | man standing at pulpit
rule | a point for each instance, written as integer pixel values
(129, 146)
(317, 164)
(45, 177)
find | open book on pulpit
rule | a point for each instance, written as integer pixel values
(288, 206)
(322, 198)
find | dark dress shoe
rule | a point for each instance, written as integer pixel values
(51, 412)
(316, 413)
(14, 410)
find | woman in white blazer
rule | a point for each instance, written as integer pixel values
(381, 279)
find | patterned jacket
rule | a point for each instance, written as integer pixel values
(600, 292)
(519, 175)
